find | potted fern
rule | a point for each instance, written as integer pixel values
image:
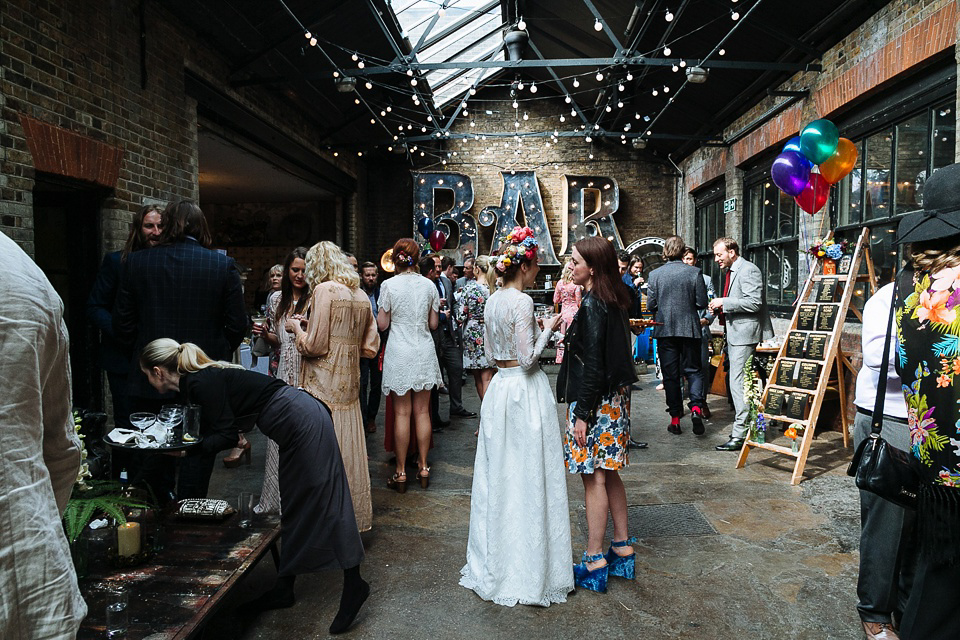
(94, 498)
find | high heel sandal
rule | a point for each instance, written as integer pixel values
(398, 485)
(622, 566)
(592, 579)
(238, 456)
(424, 479)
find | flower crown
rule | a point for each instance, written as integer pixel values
(520, 247)
(401, 257)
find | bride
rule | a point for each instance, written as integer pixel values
(519, 547)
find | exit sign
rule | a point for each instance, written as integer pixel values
(729, 206)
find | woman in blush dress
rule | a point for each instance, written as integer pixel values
(341, 330)
(289, 302)
(409, 307)
(568, 295)
(471, 300)
(519, 545)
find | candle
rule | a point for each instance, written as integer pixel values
(128, 539)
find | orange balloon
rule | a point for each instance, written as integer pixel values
(842, 162)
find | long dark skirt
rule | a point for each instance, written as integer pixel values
(319, 526)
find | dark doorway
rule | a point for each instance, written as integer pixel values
(66, 217)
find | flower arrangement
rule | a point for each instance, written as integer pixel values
(752, 395)
(520, 246)
(402, 257)
(829, 248)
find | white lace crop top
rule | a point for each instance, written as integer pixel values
(510, 329)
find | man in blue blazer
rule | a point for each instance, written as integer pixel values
(742, 311)
(183, 290)
(675, 295)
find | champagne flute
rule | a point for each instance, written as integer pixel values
(142, 421)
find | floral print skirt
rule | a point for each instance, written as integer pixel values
(608, 437)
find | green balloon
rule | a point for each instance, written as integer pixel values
(818, 140)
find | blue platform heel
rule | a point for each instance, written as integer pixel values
(595, 580)
(622, 566)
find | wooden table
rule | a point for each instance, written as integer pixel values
(172, 595)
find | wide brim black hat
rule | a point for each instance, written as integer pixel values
(940, 217)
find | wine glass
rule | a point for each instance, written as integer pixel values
(142, 421)
(170, 416)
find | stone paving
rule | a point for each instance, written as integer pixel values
(775, 561)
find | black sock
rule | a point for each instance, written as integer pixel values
(355, 593)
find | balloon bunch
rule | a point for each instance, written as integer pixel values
(818, 144)
(435, 237)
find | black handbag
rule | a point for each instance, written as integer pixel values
(876, 466)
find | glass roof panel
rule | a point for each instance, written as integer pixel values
(476, 38)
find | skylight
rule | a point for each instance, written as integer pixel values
(468, 31)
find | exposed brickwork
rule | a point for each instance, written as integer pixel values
(646, 184)
(74, 69)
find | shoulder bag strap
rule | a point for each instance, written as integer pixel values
(877, 423)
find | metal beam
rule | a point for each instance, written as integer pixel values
(606, 28)
(591, 62)
(782, 36)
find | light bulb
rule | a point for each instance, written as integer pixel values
(313, 42)
(356, 101)
(526, 117)
(368, 85)
(667, 51)
(637, 116)
(308, 35)
(591, 156)
(619, 104)
(336, 74)
(576, 83)
(655, 92)
(522, 25)
(588, 139)
(473, 91)
(520, 86)
(563, 118)
(360, 65)
(389, 109)
(413, 82)
(609, 108)
(675, 68)
(423, 129)
(620, 87)
(472, 123)
(429, 118)
(599, 77)
(533, 87)
(666, 89)
(568, 100)
(629, 77)
(735, 15)
(442, 12)
(354, 57)
(383, 114)
(409, 72)
(722, 52)
(573, 112)
(598, 26)
(669, 16)
(372, 121)
(683, 63)
(515, 105)
(336, 154)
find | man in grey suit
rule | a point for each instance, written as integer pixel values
(468, 273)
(675, 295)
(742, 311)
(450, 353)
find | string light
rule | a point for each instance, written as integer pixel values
(473, 91)
(609, 109)
(620, 87)
(308, 35)
(526, 117)
(520, 86)
(655, 92)
(573, 112)
(666, 89)
(409, 72)
(354, 57)
(515, 104)
(368, 85)
(735, 15)
(533, 87)
(576, 83)
(588, 139)
(413, 82)
(522, 26)
(669, 16)
(598, 26)
(599, 76)
(360, 65)
(667, 51)
(675, 68)
(722, 52)
(620, 104)
(683, 63)
(313, 42)
(568, 100)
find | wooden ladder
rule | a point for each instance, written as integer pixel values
(834, 358)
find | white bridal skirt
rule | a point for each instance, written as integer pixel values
(519, 549)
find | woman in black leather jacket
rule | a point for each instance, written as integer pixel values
(595, 380)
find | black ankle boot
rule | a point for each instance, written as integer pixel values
(351, 600)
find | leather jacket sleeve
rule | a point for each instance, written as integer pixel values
(591, 352)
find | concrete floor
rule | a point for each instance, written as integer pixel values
(782, 563)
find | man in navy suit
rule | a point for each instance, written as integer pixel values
(370, 374)
(144, 233)
(183, 290)
(675, 294)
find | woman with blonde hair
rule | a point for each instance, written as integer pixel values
(318, 524)
(340, 331)
(410, 308)
(471, 300)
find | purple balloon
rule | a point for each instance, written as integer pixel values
(791, 172)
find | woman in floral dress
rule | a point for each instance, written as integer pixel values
(289, 302)
(568, 295)
(471, 300)
(927, 312)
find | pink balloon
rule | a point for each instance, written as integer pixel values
(437, 239)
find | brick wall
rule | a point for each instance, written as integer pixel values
(646, 184)
(75, 68)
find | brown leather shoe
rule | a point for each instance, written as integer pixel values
(879, 631)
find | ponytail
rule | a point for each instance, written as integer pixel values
(182, 358)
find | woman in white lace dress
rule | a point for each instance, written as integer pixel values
(519, 547)
(409, 306)
(290, 301)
